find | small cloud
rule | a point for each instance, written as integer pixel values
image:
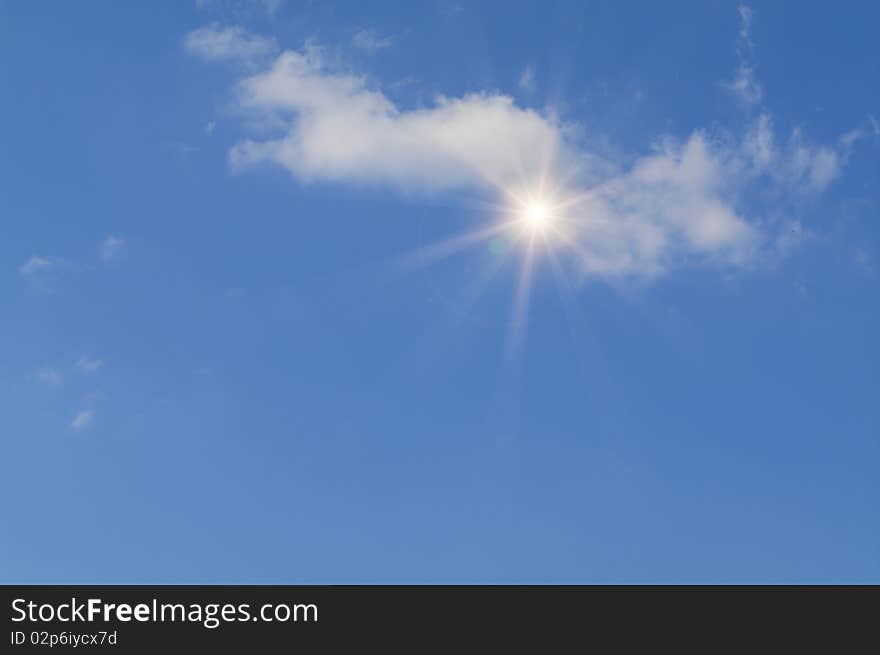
(86, 364)
(49, 376)
(216, 43)
(111, 247)
(40, 271)
(82, 420)
(209, 128)
(271, 7)
(798, 165)
(868, 129)
(745, 84)
(527, 79)
(36, 265)
(863, 260)
(824, 168)
(810, 167)
(745, 26)
(852, 137)
(369, 41)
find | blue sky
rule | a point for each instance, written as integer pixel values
(276, 310)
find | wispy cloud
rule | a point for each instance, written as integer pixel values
(863, 260)
(527, 79)
(49, 377)
(41, 271)
(368, 41)
(82, 420)
(88, 364)
(214, 42)
(270, 7)
(869, 128)
(36, 265)
(745, 84)
(111, 247)
(796, 165)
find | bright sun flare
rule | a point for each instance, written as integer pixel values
(536, 215)
(537, 220)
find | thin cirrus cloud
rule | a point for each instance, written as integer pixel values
(218, 43)
(271, 7)
(82, 420)
(527, 79)
(49, 376)
(41, 272)
(89, 364)
(111, 247)
(745, 85)
(680, 203)
(369, 41)
(36, 265)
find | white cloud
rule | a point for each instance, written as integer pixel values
(850, 138)
(819, 166)
(798, 165)
(111, 247)
(684, 201)
(369, 41)
(527, 79)
(209, 127)
(41, 272)
(36, 265)
(87, 364)
(745, 84)
(670, 207)
(338, 129)
(82, 420)
(49, 376)
(214, 42)
(869, 128)
(271, 7)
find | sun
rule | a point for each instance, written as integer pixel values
(538, 219)
(536, 216)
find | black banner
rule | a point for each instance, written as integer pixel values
(129, 619)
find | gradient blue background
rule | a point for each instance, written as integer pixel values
(281, 401)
